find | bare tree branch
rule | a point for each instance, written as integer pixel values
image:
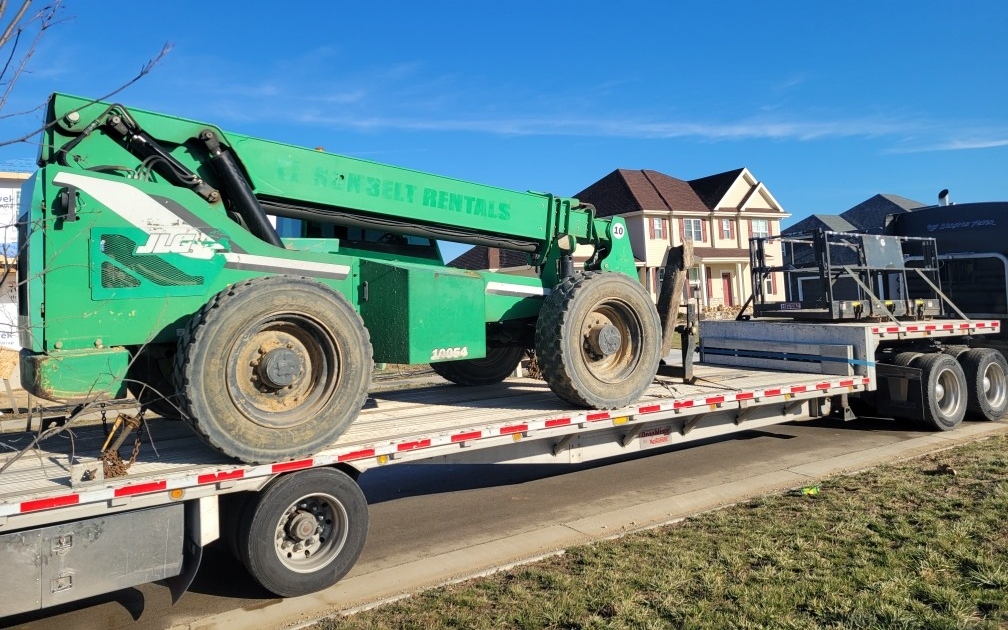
(144, 71)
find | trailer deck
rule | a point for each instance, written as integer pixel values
(402, 425)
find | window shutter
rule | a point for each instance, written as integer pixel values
(665, 230)
(769, 227)
(750, 227)
(703, 230)
(710, 285)
(682, 230)
(773, 283)
(650, 225)
(731, 230)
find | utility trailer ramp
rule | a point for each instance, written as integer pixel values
(444, 423)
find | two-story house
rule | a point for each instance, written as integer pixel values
(719, 213)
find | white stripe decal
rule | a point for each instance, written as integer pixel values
(167, 233)
(281, 264)
(503, 288)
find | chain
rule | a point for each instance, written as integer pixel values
(112, 462)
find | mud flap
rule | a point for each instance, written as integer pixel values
(192, 553)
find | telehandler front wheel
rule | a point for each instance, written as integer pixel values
(598, 340)
(498, 364)
(273, 368)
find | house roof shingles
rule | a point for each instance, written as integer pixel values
(712, 189)
(625, 190)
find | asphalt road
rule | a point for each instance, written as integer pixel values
(435, 523)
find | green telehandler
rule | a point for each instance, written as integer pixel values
(148, 264)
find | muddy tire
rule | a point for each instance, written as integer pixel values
(498, 364)
(151, 379)
(944, 388)
(273, 368)
(304, 531)
(986, 382)
(598, 340)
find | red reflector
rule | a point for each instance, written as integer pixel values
(593, 417)
(822, 386)
(409, 446)
(462, 437)
(772, 392)
(797, 389)
(369, 452)
(745, 396)
(220, 476)
(679, 404)
(714, 400)
(649, 409)
(846, 383)
(141, 488)
(48, 504)
(559, 422)
(289, 466)
(518, 428)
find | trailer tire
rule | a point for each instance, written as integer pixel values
(598, 340)
(986, 382)
(954, 351)
(304, 531)
(273, 368)
(904, 359)
(944, 385)
(499, 363)
(151, 379)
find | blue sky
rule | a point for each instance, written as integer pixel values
(828, 103)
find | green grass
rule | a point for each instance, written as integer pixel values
(909, 545)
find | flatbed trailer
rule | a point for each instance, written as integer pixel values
(68, 532)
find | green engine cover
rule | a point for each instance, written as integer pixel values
(421, 314)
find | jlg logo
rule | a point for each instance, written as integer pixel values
(192, 244)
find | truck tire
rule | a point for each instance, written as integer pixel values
(273, 368)
(598, 340)
(151, 379)
(986, 382)
(499, 364)
(944, 386)
(304, 531)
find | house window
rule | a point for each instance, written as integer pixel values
(760, 228)
(768, 285)
(657, 227)
(726, 229)
(693, 230)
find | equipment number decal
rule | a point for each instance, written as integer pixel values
(449, 353)
(618, 231)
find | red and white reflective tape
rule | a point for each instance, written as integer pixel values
(123, 489)
(985, 325)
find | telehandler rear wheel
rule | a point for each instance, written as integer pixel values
(497, 366)
(598, 340)
(273, 368)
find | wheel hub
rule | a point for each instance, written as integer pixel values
(604, 340)
(280, 367)
(302, 526)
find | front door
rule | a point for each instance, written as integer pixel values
(726, 289)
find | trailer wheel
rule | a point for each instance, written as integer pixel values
(944, 386)
(151, 379)
(497, 366)
(598, 340)
(304, 531)
(273, 368)
(986, 382)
